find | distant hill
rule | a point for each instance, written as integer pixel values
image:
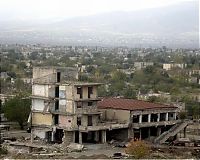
(173, 26)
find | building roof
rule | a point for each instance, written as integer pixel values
(129, 104)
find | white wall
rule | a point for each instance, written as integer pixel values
(40, 90)
(39, 133)
(38, 104)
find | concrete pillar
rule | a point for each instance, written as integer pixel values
(140, 133)
(167, 117)
(149, 133)
(103, 138)
(96, 136)
(158, 131)
(32, 138)
(184, 132)
(52, 136)
(149, 118)
(133, 136)
(158, 118)
(175, 116)
(130, 132)
(140, 118)
(80, 138)
(74, 137)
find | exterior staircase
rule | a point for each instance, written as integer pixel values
(171, 132)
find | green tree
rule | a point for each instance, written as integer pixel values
(182, 115)
(17, 109)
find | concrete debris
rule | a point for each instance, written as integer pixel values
(119, 155)
(116, 143)
(75, 147)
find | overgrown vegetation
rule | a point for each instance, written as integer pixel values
(138, 149)
(17, 109)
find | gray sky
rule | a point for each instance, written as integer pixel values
(59, 9)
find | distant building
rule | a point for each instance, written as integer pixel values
(27, 80)
(169, 66)
(141, 65)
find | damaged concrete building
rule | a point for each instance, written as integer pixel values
(144, 119)
(65, 110)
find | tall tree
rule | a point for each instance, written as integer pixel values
(17, 109)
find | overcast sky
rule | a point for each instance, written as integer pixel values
(47, 9)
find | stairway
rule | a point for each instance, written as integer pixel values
(171, 132)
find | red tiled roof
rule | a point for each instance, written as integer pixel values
(129, 104)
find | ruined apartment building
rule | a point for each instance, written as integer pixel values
(145, 120)
(64, 109)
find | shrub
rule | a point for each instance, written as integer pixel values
(138, 149)
(182, 115)
(3, 150)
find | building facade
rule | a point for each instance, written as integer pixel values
(145, 119)
(66, 111)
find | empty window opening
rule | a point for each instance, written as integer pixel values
(48, 136)
(80, 92)
(89, 120)
(56, 119)
(162, 116)
(136, 119)
(90, 103)
(58, 76)
(154, 117)
(56, 105)
(58, 135)
(145, 118)
(78, 121)
(90, 91)
(79, 104)
(57, 91)
(171, 116)
(76, 136)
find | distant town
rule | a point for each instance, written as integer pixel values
(80, 95)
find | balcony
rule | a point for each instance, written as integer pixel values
(154, 124)
(88, 110)
(86, 99)
(55, 111)
(104, 126)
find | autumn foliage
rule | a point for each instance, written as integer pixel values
(138, 149)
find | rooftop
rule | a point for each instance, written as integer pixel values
(129, 104)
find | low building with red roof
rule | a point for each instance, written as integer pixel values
(145, 119)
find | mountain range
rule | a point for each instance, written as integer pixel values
(173, 26)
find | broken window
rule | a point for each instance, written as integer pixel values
(135, 118)
(78, 121)
(59, 135)
(58, 77)
(90, 103)
(80, 91)
(90, 91)
(162, 116)
(57, 91)
(154, 117)
(171, 116)
(79, 104)
(89, 120)
(56, 105)
(145, 118)
(56, 119)
(48, 136)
